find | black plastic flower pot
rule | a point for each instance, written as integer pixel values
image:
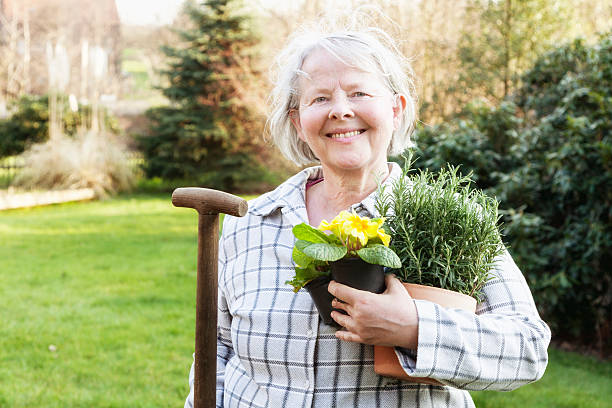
(322, 298)
(358, 274)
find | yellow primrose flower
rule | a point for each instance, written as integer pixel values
(378, 231)
(355, 231)
(359, 228)
(384, 237)
(374, 226)
(333, 226)
(343, 217)
(326, 226)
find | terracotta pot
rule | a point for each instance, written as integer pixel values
(322, 298)
(358, 274)
(386, 362)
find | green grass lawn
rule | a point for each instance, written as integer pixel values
(111, 285)
(97, 307)
(570, 381)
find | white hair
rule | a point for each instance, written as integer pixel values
(371, 50)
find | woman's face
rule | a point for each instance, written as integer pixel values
(346, 116)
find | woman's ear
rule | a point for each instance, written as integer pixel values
(399, 105)
(294, 115)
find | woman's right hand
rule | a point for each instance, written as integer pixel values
(386, 319)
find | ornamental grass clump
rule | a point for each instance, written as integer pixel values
(90, 159)
(445, 234)
(350, 236)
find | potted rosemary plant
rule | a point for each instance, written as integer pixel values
(354, 252)
(447, 238)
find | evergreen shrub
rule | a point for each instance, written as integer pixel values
(478, 140)
(208, 135)
(561, 196)
(546, 154)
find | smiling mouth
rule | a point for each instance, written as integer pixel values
(345, 135)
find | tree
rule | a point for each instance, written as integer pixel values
(14, 52)
(207, 134)
(504, 39)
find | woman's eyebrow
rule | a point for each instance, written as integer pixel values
(355, 85)
(318, 90)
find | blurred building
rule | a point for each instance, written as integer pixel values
(86, 31)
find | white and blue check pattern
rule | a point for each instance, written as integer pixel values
(272, 350)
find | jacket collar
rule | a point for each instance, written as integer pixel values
(290, 196)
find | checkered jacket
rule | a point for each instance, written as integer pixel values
(273, 351)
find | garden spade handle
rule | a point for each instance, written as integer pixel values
(208, 203)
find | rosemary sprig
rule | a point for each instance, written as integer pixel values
(445, 233)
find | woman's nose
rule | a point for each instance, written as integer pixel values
(340, 108)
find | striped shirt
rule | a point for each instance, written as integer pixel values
(273, 351)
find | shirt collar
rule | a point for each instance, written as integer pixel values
(290, 195)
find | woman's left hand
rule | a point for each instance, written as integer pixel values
(386, 319)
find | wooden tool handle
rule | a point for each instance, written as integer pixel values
(207, 201)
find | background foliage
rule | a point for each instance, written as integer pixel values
(29, 123)
(546, 153)
(502, 38)
(208, 134)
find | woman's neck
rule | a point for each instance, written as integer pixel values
(338, 191)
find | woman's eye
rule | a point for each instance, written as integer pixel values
(319, 99)
(359, 94)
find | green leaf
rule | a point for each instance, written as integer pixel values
(301, 245)
(305, 232)
(303, 276)
(301, 259)
(380, 255)
(324, 252)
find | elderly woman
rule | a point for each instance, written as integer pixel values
(344, 100)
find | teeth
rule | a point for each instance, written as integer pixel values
(344, 135)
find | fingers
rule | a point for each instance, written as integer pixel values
(394, 284)
(346, 322)
(389, 318)
(340, 318)
(352, 330)
(350, 295)
(348, 336)
(338, 304)
(390, 279)
(343, 292)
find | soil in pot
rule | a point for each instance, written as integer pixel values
(358, 274)
(322, 298)
(386, 362)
